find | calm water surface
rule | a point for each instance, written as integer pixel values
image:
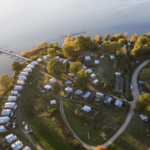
(25, 23)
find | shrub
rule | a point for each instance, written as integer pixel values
(48, 77)
(115, 64)
(80, 58)
(44, 68)
(29, 53)
(54, 111)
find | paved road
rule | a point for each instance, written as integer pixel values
(135, 93)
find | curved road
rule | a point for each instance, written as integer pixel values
(135, 93)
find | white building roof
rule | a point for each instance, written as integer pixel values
(18, 88)
(143, 117)
(22, 78)
(14, 92)
(70, 62)
(10, 138)
(68, 82)
(96, 62)
(65, 60)
(17, 145)
(26, 148)
(53, 102)
(112, 57)
(20, 82)
(57, 57)
(93, 75)
(89, 70)
(95, 81)
(86, 108)
(34, 62)
(27, 69)
(101, 56)
(12, 98)
(30, 66)
(78, 92)
(87, 58)
(117, 73)
(9, 105)
(48, 87)
(118, 103)
(44, 57)
(24, 73)
(52, 80)
(39, 60)
(84, 67)
(4, 119)
(6, 112)
(86, 95)
(2, 129)
(68, 89)
(70, 74)
(98, 94)
(108, 100)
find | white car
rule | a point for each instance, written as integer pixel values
(131, 86)
(14, 125)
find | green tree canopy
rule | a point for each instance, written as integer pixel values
(121, 52)
(148, 35)
(98, 38)
(55, 45)
(42, 45)
(75, 67)
(115, 46)
(126, 35)
(134, 38)
(121, 41)
(68, 50)
(5, 81)
(143, 39)
(52, 52)
(118, 36)
(16, 66)
(107, 36)
(56, 87)
(145, 75)
(55, 67)
(106, 47)
(83, 77)
(112, 39)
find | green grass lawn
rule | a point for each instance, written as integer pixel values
(134, 136)
(104, 118)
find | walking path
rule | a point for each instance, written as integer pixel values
(135, 93)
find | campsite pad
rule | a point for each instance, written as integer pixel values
(103, 134)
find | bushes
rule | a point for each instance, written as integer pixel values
(116, 120)
(44, 68)
(80, 58)
(29, 53)
(54, 111)
(115, 64)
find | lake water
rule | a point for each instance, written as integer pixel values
(25, 23)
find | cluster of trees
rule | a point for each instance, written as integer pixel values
(47, 45)
(16, 66)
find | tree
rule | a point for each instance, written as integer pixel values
(121, 52)
(115, 46)
(107, 36)
(52, 52)
(148, 35)
(91, 45)
(134, 38)
(121, 41)
(42, 45)
(126, 35)
(112, 39)
(118, 36)
(106, 47)
(100, 147)
(56, 88)
(55, 67)
(5, 81)
(16, 66)
(83, 77)
(143, 39)
(68, 50)
(69, 39)
(55, 45)
(98, 38)
(75, 67)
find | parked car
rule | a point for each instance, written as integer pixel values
(131, 86)
(14, 124)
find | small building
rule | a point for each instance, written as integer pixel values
(117, 73)
(118, 84)
(65, 61)
(24, 74)
(68, 89)
(68, 82)
(99, 95)
(22, 78)
(112, 57)
(53, 102)
(17, 145)
(118, 103)
(95, 81)
(57, 57)
(84, 67)
(34, 62)
(4, 120)
(2, 129)
(86, 94)
(129, 44)
(44, 57)
(18, 88)
(10, 138)
(141, 82)
(27, 69)
(39, 60)
(107, 100)
(52, 80)
(6, 112)
(96, 62)
(93, 75)
(70, 62)
(86, 109)
(101, 57)
(71, 75)
(12, 98)
(87, 58)
(78, 92)
(143, 117)
(124, 45)
(48, 87)
(14, 92)
(89, 70)
(48, 56)
(26, 148)
(30, 66)
(9, 105)
(20, 82)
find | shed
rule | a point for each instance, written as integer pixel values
(107, 100)
(93, 75)
(71, 75)
(22, 78)
(57, 57)
(141, 82)
(18, 88)
(24, 73)
(34, 62)
(101, 57)
(4, 120)
(48, 87)
(44, 57)
(26, 148)
(39, 60)
(27, 69)
(12, 98)
(99, 95)
(78, 92)
(30, 66)
(10, 138)
(65, 61)
(20, 82)
(95, 81)
(53, 102)
(68, 82)
(124, 45)
(129, 44)
(6, 112)
(14, 92)
(9, 105)
(2, 129)
(89, 70)
(86, 108)
(86, 94)
(143, 117)
(84, 67)
(96, 62)
(52, 80)
(87, 58)
(118, 103)
(68, 89)
(70, 62)
(112, 57)
(17, 145)
(117, 73)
